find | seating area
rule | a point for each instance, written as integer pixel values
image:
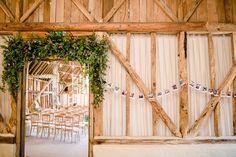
(64, 124)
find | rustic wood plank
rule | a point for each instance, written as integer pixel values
(106, 7)
(212, 69)
(134, 10)
(7, 11)
(91, 124)
(140, 84)
(81, 7)
(234, 82)
(120, 27)
(183, 91)
(180, 10)
(212, 103)
(46, 13)
(31, 10)
(157, 140)
(19, 5)
(229, 11)
(67, 11)
(143, 10)
(128, 82)
(113, 10)
(212, 11)
(154, 79)
(192, 10)
(167, 10)
(60, 11)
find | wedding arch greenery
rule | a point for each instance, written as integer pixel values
(90, 51)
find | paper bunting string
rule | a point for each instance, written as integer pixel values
(175, 87)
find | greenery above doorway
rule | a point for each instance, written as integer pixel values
(90, 51)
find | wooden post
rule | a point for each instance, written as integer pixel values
(234, 82)
(128, 81)
(211, 55)
(91, 125)
(183, 91)
(154, 79)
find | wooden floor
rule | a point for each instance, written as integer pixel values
(44, 147)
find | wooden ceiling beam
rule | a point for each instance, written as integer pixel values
(121, 27)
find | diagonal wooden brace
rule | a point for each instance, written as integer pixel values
(212, 103)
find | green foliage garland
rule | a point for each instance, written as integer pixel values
(90, 51)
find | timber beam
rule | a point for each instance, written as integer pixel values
(120, 27)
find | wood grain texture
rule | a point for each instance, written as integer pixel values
(7, 11)
(205, 114)
(113, 10)
(212, 69)
(158, 140)
(154, 80)
(128, 82)
(140, 84)
(183, 91)
(192, 10)
(83, 10)
(167, 10)
(31, 10)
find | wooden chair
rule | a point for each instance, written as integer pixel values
(58, 125)
(47, 123)
(68, 127)
(35, 122)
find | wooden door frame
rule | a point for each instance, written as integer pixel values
(20, 125)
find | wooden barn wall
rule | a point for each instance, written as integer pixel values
(67, 11)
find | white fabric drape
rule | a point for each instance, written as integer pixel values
(114, 104)
(167, 75)
(223, 52)
(5, 108)
(198, 72)
(140, 109)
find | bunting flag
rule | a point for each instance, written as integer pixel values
(175, 87)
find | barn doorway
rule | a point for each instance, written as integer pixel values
(56, 109)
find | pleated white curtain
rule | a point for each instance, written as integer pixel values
(167, 75)
(140, 109)
(5, 108)
(114, 113)
(114, 104)
(223, 51)
(198, 72)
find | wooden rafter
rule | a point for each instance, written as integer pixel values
(26, 15)
(33, 70)
(140, 84)
(120, 27)
(7, 11)
(167, 10)
(81, 7)
(183, 91)
(212, 70)
(212, 103)
(113, 10)
(192, 10)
